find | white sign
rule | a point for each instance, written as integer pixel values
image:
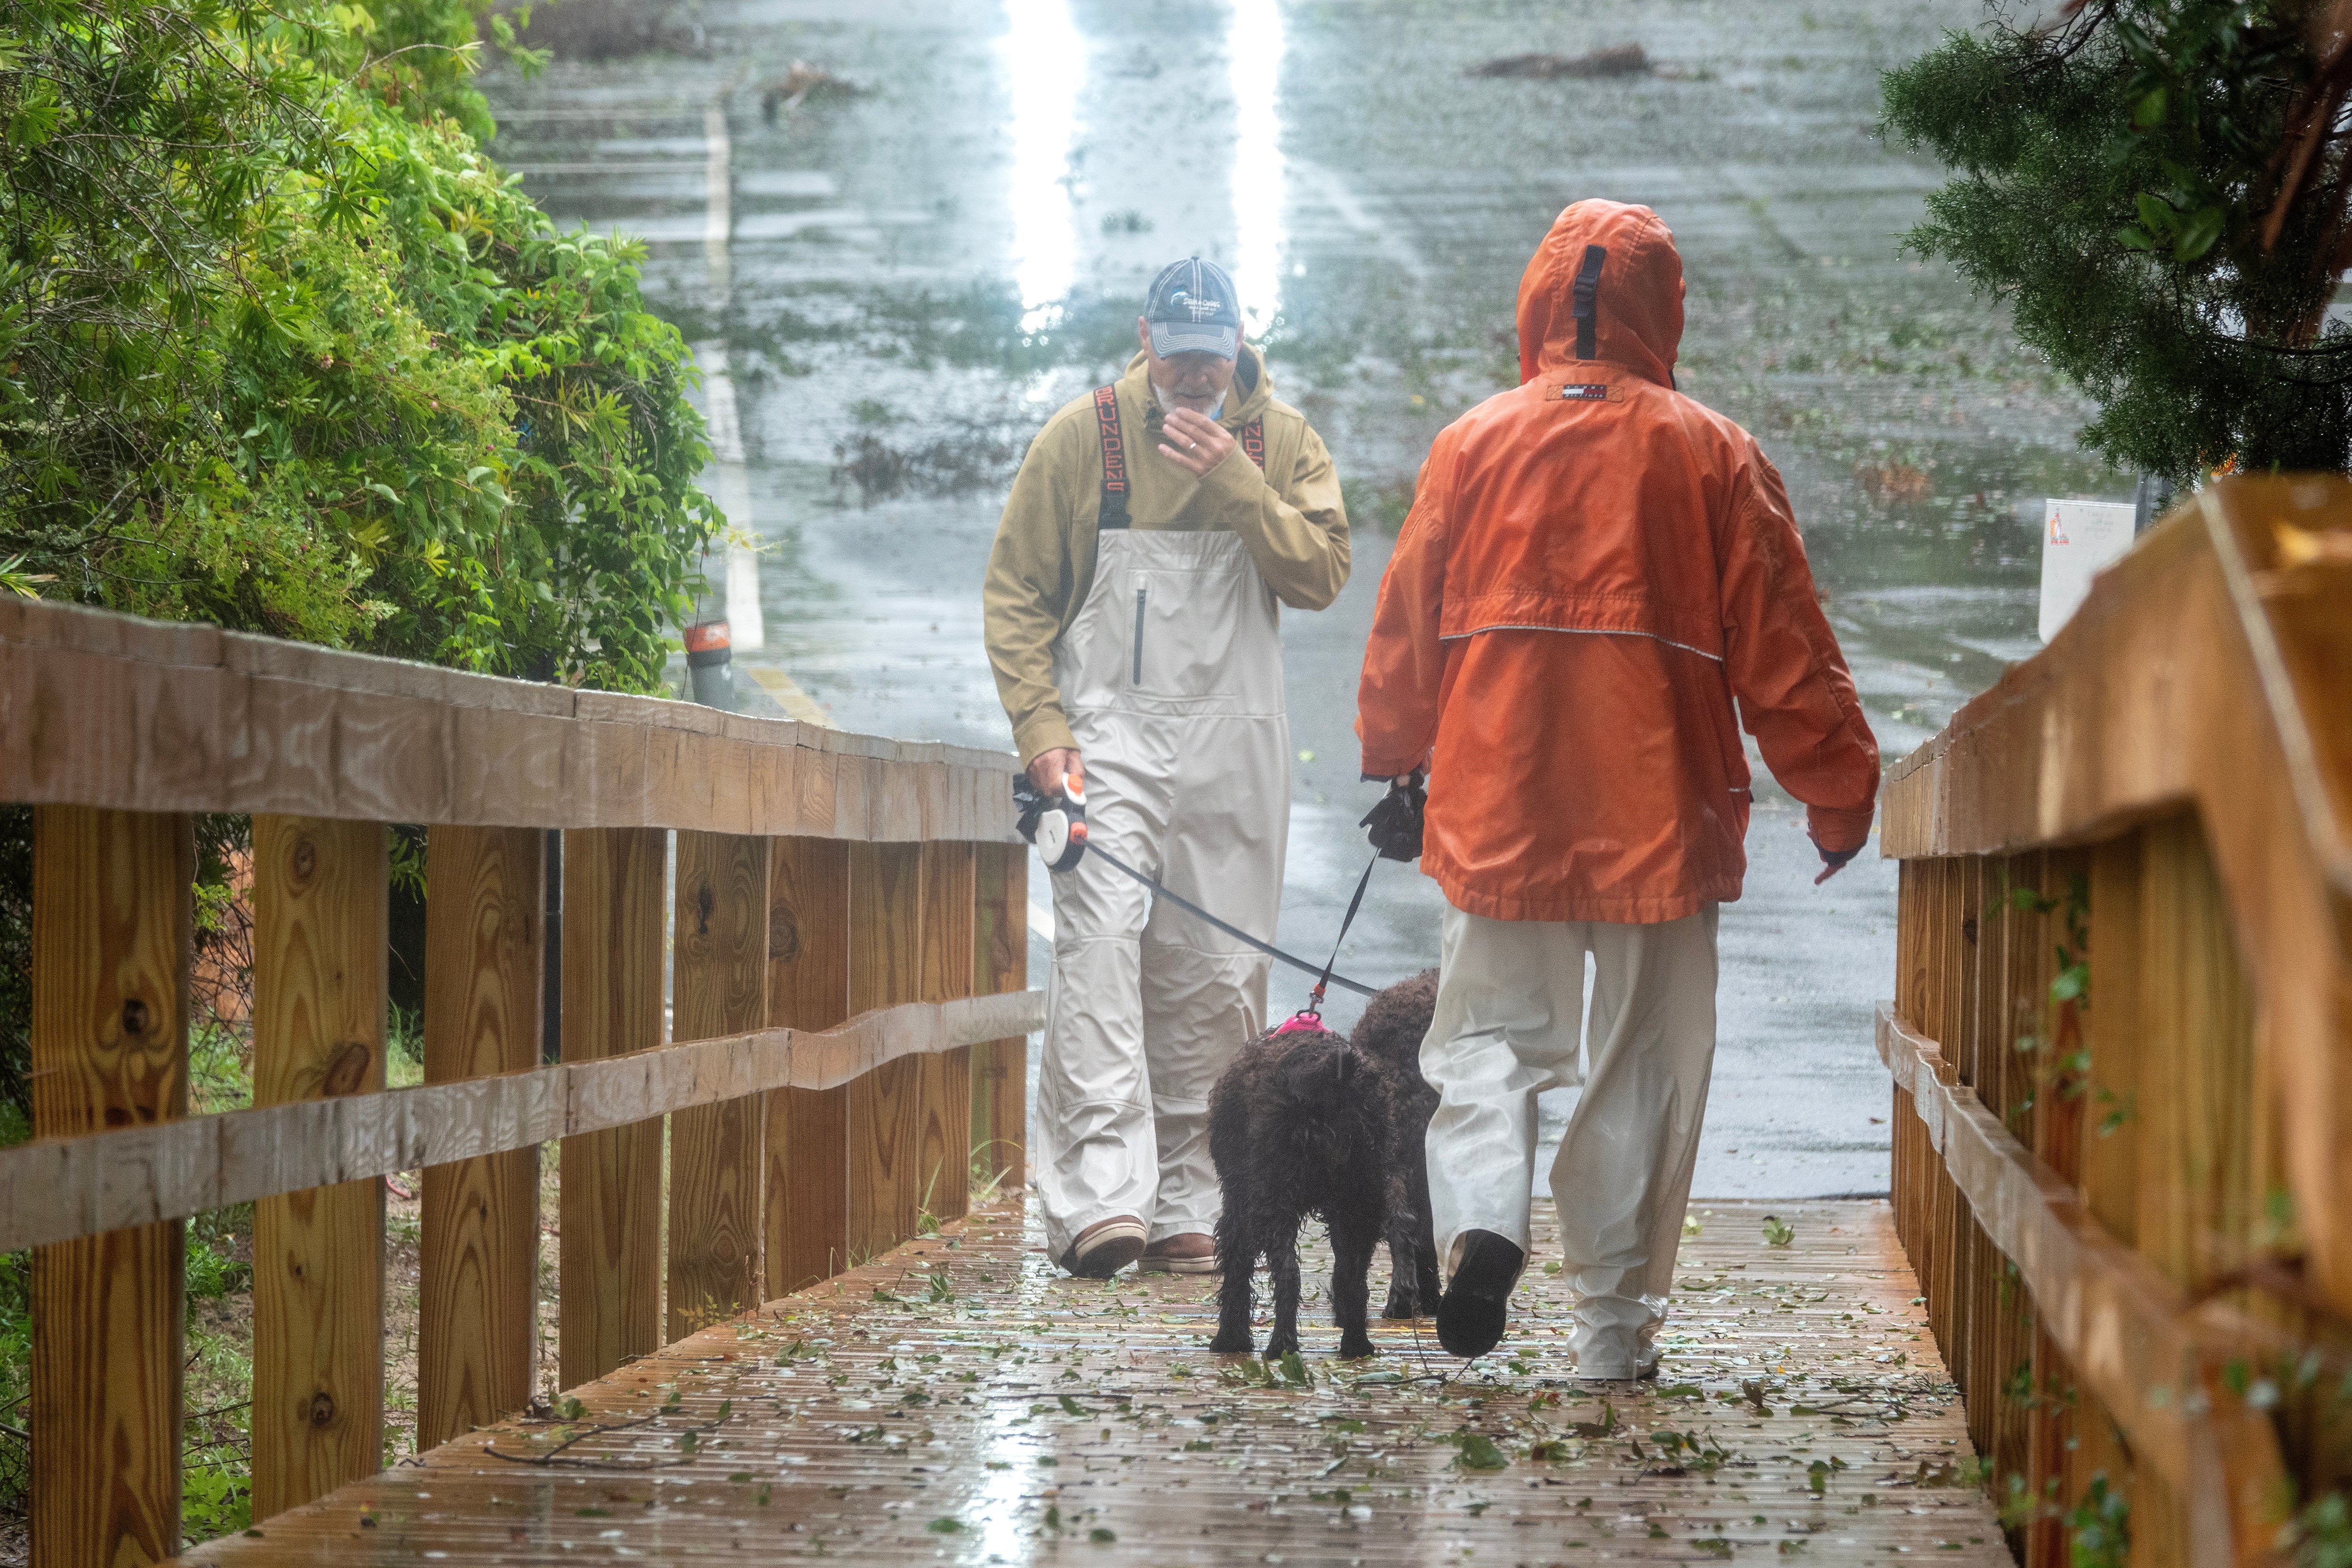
(2079, 539)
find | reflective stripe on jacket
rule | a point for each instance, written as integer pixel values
(1289, 518)
(1595, 568)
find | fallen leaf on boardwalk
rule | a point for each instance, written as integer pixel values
(1071, 1406)
(944, 1526)
(1479, 1453)
(1600, 1428)
(1100, 1536)
(1294, 1370)
(1777, 1233)
(1552, 1451)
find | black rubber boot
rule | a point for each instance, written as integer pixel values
(1471, 1313)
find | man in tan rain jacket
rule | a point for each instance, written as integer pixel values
(1132, 620)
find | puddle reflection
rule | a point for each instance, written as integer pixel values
(1045, 65)
(1254, 44)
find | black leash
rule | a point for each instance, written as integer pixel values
(1325, 977)
(1315, 997)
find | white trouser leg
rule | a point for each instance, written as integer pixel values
(1510, 1000)
(1622, 1178)
(1098, 1155)
(1204, 993)
(1199, 1009)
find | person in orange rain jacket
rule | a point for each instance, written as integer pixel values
(1595, 570)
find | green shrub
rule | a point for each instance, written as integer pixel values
(280, 349)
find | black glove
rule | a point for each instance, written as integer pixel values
(1395, 821)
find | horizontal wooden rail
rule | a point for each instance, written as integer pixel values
(2206, 670)
(2128, 1333)
(58, 1189)
(108, 710)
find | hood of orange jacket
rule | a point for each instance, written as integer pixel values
(1599, 585)
(1635, 300)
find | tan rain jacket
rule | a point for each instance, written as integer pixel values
(1289, 518)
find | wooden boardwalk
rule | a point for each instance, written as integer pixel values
(958, 1401)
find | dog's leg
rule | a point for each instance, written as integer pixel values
(1237, 1260)
(1406, 1299)
(1352, 1237)
(1279, 1235)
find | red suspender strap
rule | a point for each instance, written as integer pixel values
(1113, 512)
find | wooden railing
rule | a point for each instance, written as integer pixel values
(848, 1004)
(2122, 1041)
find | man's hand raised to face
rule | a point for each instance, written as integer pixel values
(1194, 442)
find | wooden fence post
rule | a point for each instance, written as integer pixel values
(610, 1265)
(806, 1203)
(477, 1295)
(319, 931)
(1000, 961)
(943, 1148)
(886, 1117)
(113, 931)
(720, 986)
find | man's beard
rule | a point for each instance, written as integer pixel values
(1168, 400)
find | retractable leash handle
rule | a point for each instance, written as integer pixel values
(1056, 824)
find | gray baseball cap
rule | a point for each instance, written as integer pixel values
(1192, 308)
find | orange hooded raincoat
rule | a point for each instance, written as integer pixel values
(1595, 570)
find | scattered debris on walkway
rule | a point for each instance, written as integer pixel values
(803, 83)
(959, 1399)
(1619, 60)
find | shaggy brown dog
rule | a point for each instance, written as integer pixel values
(1391, 1027)
(1304, 1123)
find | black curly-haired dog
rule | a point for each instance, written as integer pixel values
(1307, 1123)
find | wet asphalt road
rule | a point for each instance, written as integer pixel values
(907, 282)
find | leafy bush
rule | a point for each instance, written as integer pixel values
(2156, 188)
(282, 350)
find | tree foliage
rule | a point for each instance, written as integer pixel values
(281, 348)
(2158, 188)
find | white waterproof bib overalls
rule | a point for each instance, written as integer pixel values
(1171, 678)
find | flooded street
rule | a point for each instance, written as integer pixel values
(890, 290)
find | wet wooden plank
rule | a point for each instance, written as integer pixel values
(320, 925)
(483, 978)
(2123, 1328)
(54, 1190)
(611, 1266)
(999, 1068)
(805, 1213)
(108, 710)
(1009, 1414)
(113, 928)
(943, 1149)
(885, 1107)
(719, 987)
